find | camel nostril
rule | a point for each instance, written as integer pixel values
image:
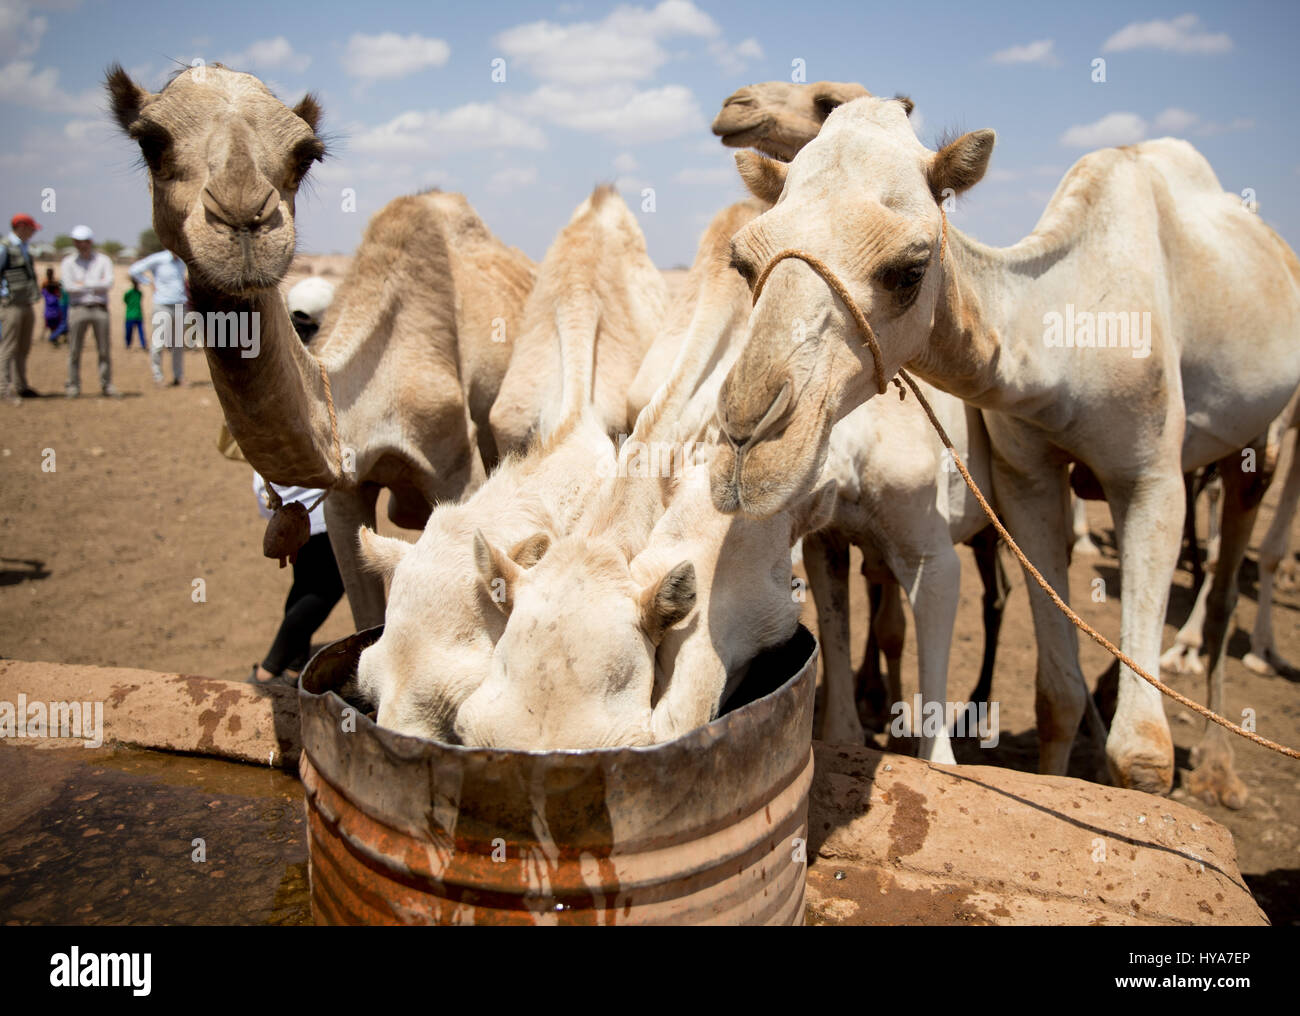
(236, 211)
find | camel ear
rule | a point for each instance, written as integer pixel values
(908, 104)
(496, 571)
(309, 110)
(828, 96)
(815, 512)
(125, 97)
(381, 554)
(960, 165)
(667, 601)
(527, 553)
(764, 177)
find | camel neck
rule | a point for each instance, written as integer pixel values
(973, 351)
(269, 386)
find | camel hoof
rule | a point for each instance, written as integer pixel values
(1215, 782)
(1182, 659)
(1084, 547)
(1258, 665)
(1270, 665)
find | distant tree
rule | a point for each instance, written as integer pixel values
(149, 243)
(111, 247)
(62, 241)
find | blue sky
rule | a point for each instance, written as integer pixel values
(598, 91)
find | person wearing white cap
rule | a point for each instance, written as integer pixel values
(87, 277)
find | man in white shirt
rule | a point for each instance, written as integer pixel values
(18, 291)
(167, 322)
(87, 276)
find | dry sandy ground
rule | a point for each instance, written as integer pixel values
(101, 554)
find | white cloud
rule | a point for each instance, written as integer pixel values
(621, 113)
(734, 59)
(1180, 121)
(1111, 129)
(268, 54)
(1174, 120)
(476, 125)
(390, 55)
(20, 32)
(1129, 128)
(1041, 52)
(504, 181)
(622, 46)
(625, 162)
(22, 84)
(1183, 34)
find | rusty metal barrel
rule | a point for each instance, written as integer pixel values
(708, 828)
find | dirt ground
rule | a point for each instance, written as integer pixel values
(112, 510)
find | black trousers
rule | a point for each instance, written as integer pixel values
(317, 587)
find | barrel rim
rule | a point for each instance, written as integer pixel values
(704, 734)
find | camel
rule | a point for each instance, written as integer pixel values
(626, 297)
(780, 117)
(441, 626)
(648, 649)
(1212, 364)
(905, 506)
(407, 344)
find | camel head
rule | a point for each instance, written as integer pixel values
(780, 117)
(225, 160)
(574, 667)
(863, 197)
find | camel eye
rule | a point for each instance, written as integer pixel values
(154, 143)
(903, 280)
(745, 269)
(302, 158)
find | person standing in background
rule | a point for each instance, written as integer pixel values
(134, 318)
(167, 322)
(56, 308)
(87, 277)
(18, 291)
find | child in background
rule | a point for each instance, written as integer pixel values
(134, 317)
(56, 314)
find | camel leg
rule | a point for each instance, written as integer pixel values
(889, 622)
(826, 560)
(346, 511)
(1263, 657)
(1139, 750)
(996, 589)
(1034, 497)
(1213, 778)
(871, 695)
(934, 585)
(1080, 538)
(1183, 657)
(1190, 490)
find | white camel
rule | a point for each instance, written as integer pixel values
(1143, 230)
(441, 625)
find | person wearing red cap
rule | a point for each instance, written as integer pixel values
(19, 290)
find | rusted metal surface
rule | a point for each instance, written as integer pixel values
(708, 828)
